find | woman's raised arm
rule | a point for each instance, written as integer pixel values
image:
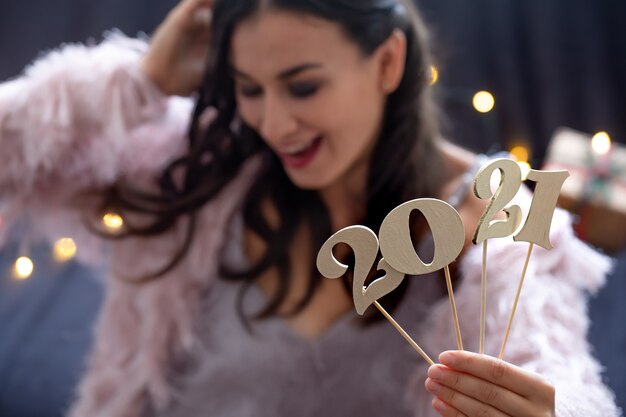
(83, 117)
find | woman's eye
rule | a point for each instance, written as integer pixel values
(251, 92)
(303, 90)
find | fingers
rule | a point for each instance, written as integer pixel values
(479, 385)
(194, 12)
(454, 403)
(483, 391)
(446, 410)
(203, 16)
(193, 4)
(513, 378)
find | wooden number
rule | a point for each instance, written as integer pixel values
(446, 227)
(537, 225)
(364, 244)
(510, 183)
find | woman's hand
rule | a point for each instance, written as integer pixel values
(179, 48)
(469, 384)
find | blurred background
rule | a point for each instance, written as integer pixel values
(543, 79)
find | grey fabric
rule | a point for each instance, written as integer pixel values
(351, 370)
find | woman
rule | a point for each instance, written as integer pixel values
(313, 115)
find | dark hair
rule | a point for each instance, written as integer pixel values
(405, 153)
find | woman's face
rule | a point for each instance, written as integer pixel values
(310, 93)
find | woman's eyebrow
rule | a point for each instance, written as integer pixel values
(283, 75)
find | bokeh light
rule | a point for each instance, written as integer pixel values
(113, 221)
(484, 101)
(64, 249)
(434, 75)
(23, 267)
(525, 168)
(520, 153)
(601, 143)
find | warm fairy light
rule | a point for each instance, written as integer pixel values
(23, 267)
(483, 101)
(434, 75)
(113, 221)
(525, 167)
(520, 153)
(601, 143)
(64, 249)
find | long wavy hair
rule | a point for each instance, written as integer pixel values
(406, 158)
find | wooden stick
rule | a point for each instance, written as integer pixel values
(455, 316)
(519, 290)
(403, 333)
(483, 304)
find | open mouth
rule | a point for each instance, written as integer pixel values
(301, 155)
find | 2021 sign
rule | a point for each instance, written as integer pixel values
(399, 257)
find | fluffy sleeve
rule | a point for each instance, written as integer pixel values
(80, 118)
(549, 332)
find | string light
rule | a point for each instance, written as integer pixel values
(520, 153)
(23, 268)
(113, 221)
(483, 101)
(64, 249)
(601, 143)
(434, 75)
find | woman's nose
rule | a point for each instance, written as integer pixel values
(277, 120)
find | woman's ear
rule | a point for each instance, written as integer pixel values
(392, 57)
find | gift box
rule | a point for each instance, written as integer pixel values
(596, 188)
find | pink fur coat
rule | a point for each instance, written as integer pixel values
(84, 117)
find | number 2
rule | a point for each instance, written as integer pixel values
(510, 183)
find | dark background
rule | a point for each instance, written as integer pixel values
(549, 63)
